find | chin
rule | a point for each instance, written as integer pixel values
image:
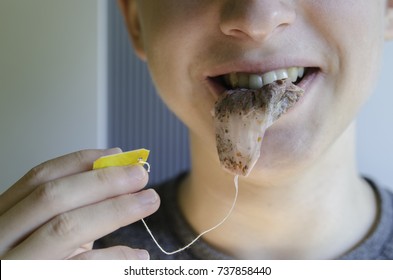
(288, 152)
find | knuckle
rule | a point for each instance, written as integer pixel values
(118, 210)
(124, 253)
(47, 193)
(64, 225)
(37, 173)
(115, 175)
(80, 157)
(121, 178)
(103, 175)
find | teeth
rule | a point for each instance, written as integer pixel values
(233, 80)
(282, 74)
(243, 80)
(293, 73)
(269, 77)
(257, 81)
(300, 72)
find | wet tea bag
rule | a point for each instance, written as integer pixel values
(241, 117)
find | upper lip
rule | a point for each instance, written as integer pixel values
(257, 67)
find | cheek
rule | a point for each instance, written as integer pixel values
(186, 99)
(170, 32)
(173, 37)
(354, 37)
(354, 30)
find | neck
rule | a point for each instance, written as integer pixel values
(320, 211)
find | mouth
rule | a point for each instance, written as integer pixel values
(299, 76)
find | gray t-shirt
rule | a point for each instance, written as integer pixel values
(172, 231)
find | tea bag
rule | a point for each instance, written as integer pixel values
(241, 117)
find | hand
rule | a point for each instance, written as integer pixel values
(60, 207)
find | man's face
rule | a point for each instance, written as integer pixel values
(192, 45)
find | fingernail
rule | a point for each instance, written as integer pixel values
(142, 255)
(137, 172)
(112, 151)
(147, 197)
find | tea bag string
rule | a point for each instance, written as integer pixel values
(236, 183)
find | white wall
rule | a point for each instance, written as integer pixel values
(375, 127)
(49, 87)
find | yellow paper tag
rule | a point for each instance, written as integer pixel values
(135, 157)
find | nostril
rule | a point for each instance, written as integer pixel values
(237, 33)
(255, 20)
(243, 29)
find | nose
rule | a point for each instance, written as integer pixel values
(255, 19)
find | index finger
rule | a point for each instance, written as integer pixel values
(66, 165)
